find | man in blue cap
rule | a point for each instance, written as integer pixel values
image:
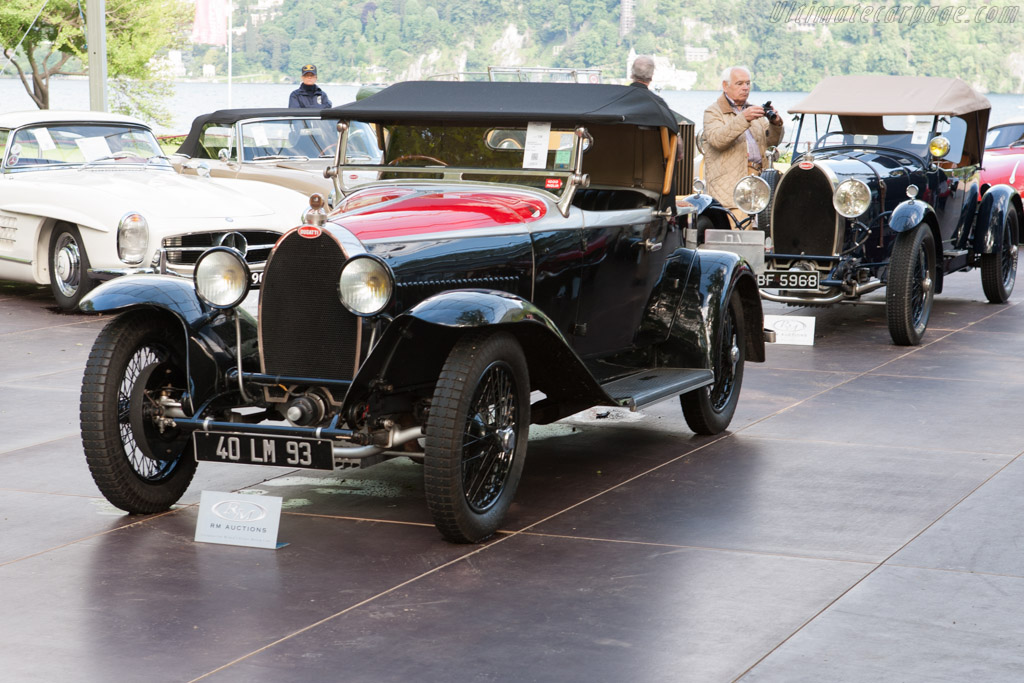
(308, 95)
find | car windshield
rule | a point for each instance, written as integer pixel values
(910, 132)
(1005, 136)
(536, 155)
(305, 138)
(48, 145)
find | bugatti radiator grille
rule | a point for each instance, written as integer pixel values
(803, 219)
(304, 329)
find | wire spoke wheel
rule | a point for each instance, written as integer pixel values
(476, 436)
(135, 404)
(709, 410)
(140, 463)
(489, 438)
(999, 270)
(911, 287)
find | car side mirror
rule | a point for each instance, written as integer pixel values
(223, 154)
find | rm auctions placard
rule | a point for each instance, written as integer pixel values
(239, 519)
(791, 329)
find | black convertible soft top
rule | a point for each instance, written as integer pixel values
(486, 103)
(229, 117)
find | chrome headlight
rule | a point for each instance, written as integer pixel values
(851, 198)
(752, 194)
(366, 285)
(132, 238)
(221, 277)
(938, 147)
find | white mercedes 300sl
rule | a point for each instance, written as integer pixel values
(87, 196)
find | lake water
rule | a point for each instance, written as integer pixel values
(192, 99)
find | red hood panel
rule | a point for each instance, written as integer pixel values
(400, 212)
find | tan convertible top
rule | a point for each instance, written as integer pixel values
(862, 101)
(889, 95)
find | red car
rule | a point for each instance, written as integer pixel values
(1004, 156)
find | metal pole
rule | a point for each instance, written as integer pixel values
(230, 12)
(96, 34)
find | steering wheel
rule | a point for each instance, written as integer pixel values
(329, 150)
(829, 134)
(406, 157)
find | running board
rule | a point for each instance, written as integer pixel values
(651, 386)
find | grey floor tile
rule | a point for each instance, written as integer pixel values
(913, 626)
(982, 534)
(536, 609)
(791, 497)
(146, 603)
(40, 409)
(922, 412)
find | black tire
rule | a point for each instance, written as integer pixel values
(911, 286)
(476, 436)
(69, 267)
(999, 270)
(137, 467)
(709, 410)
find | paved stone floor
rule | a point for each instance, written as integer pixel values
(861, 521)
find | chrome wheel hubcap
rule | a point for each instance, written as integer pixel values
(68, 264)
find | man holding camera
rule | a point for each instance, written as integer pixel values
(735, 137)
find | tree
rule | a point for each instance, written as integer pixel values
(44, 43)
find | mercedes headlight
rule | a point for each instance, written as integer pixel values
(752, 194)
(132, 238)
(365, 285)
(852, 198)
(221, 277)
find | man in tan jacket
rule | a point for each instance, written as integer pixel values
(736, 135)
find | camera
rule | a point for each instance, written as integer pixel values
(769, 111)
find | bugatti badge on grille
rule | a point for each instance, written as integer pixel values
(310, 232)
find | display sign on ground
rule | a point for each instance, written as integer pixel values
(239, 519)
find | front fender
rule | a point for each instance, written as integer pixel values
(715, 276)
(988, 226)
(701, 201)
(173, 294)
(211, 334)
(478, 308)
(413, 349)
(909, 215)
(721, 217)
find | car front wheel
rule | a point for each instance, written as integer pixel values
(999, 270)
(476, 436)
(69, 267)
(139, 464)
(911, 286)
(709, 410)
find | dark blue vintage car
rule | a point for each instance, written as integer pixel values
(517, 259)
(884, 191)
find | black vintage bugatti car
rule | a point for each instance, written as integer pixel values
(517, 259)
(884, 191)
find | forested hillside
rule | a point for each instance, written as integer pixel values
(387, 40)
